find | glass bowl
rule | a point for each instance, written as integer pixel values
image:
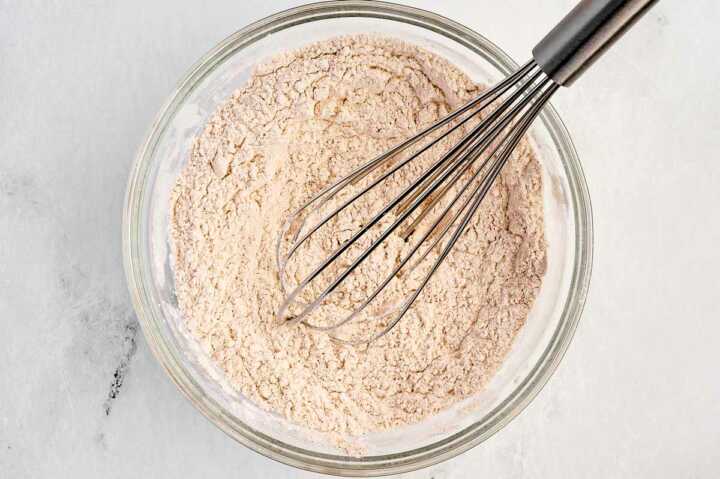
(537, 349)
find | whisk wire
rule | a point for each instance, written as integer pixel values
(479, 195)
(460, 147)
(428, 189)
(332, 190)
(425, 236)
(485, 184)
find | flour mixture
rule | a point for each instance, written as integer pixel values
(302, 120)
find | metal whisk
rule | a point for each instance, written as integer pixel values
(455, 184)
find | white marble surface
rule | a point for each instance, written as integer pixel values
(638, 394)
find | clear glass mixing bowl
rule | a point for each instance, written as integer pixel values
(537, 349)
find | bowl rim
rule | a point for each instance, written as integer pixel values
(149, 315)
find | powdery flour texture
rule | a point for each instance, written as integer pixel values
(302, 120)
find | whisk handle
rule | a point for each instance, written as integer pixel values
(584, 34)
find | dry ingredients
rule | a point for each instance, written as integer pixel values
(303, 119)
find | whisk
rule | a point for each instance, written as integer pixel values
(448, 193)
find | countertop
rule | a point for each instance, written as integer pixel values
(81, 396)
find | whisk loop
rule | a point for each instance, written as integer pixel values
(516, 101)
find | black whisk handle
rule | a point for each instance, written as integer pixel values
(584, 34)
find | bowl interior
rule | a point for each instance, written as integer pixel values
(538, 346)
